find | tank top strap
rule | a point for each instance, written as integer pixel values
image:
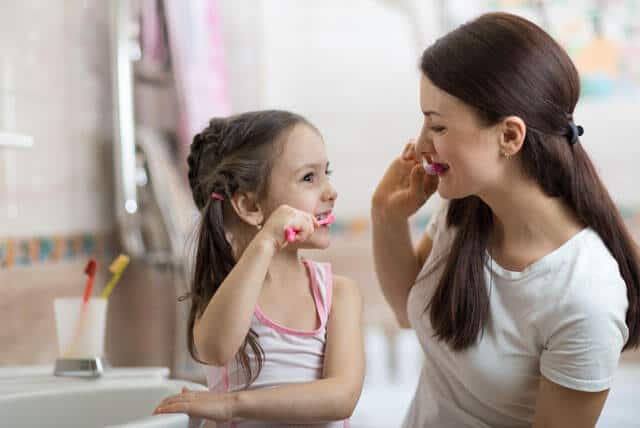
(322, 286)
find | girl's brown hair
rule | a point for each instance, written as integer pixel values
(230, 155)
(503, 65)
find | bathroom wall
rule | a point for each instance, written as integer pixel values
(54, 86)
(351, 68)
(56, 199)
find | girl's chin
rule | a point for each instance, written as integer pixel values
(316, 243)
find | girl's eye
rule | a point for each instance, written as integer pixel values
(437, 128)
(308, 177)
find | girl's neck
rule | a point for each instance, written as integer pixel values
(286, 266)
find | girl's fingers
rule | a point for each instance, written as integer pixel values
(173, 408)
(179, 398)
(305, 230)
(169, 400)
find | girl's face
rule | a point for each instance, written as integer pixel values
(452, 135)
(300, 179)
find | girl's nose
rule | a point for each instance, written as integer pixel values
(330, 193)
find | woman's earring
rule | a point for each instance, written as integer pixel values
(259, 226)
(506, 155)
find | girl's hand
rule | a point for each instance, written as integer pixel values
(283, 218)
(214, 406)
(405, 186)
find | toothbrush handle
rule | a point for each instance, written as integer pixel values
(290, 234)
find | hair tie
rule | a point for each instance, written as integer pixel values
(574, 132)
(217, 196)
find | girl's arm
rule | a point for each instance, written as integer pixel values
(332, 398)
(220, 331)
(562, 407)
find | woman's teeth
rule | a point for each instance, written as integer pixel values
(434, 168)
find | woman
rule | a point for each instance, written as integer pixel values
(525, 287)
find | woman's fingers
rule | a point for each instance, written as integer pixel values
(409, 152)
(422, 184)
(416, 182)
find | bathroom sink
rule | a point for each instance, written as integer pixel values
(122, 397)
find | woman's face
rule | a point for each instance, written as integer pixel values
(453, 135)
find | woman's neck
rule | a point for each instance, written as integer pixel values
(528, 221)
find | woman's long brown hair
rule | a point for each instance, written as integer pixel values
(503, 65)
(230, 155)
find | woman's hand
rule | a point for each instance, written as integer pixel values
(285, 217)
(214, 406)
(405, 186)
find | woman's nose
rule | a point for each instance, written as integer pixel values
(424, 146)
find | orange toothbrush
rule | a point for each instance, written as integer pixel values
(90, 269)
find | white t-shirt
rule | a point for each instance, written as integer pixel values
(562, 317)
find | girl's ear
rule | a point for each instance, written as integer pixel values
(246, 206)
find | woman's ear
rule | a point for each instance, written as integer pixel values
(514, 130)
(246, 206)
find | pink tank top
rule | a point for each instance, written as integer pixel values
(291, 356)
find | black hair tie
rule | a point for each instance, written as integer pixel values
(574, 132)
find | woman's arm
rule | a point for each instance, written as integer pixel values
(332, 398)
(220, 331)
(397, 263)
(402, 191)
(562, 407)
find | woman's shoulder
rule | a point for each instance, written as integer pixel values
(594, 284)
(592, 264)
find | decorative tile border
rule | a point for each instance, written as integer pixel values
(28, 251)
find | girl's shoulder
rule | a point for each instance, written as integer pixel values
(345, 285)
(346, 292)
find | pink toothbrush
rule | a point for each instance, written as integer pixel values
(290, 233)
(432, 168)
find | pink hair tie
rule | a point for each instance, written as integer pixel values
(217, 196)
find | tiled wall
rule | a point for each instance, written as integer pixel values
(55, 198)
(54, 86)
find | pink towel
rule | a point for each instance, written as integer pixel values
(197, 54)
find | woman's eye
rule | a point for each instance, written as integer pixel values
(328, 172)
(437, 128)
(308, 177)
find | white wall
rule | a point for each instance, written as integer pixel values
(352, 68)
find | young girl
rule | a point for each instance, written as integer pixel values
(281, 335)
